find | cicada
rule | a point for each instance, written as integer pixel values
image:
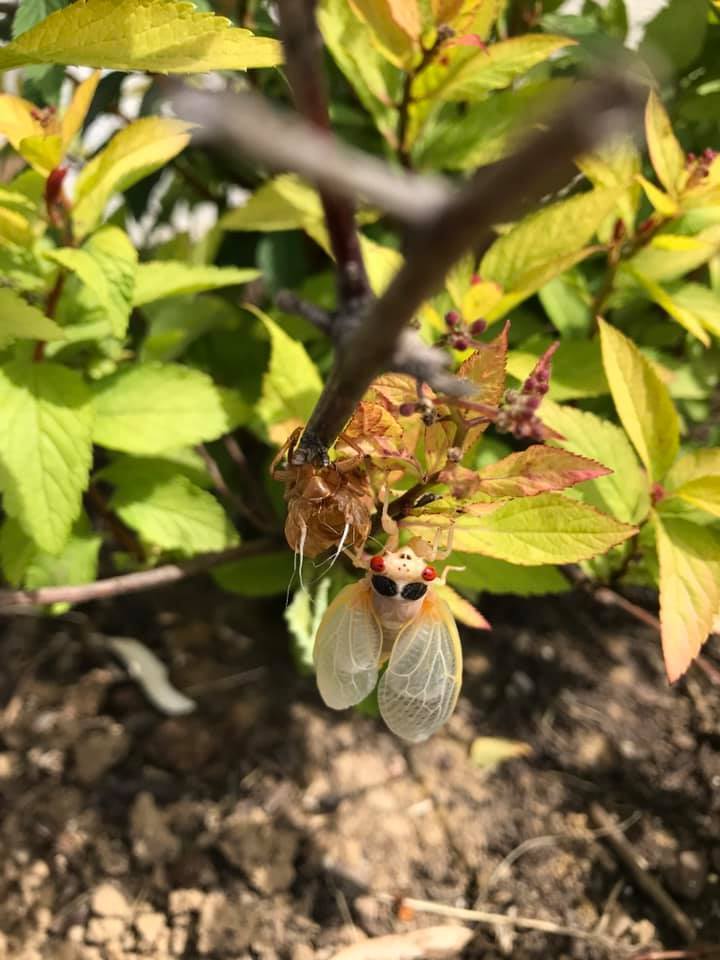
(393, 614)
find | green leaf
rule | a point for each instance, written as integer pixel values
(162, 36)
(536, 246)
(547, 528)
(264, 575)
(45, 448)
(624, 493)
(701, 302)
(291, 384)
(375, 80)
(19, 320)
(171, 278)
(106, 265)
(668, 157)
(689, 556)
(577, 369)
(675, 37)
(471, 72)
(154, 407)
(669, 256)
(642, 401)
(539, 469)
(174, 514)
(284, 203)
(703, 492)
(24, 564)
(663, 299)
(133, 153)
(303, 618)
(174, 324)
(567, 302)
(125, 470)
(692, 466)
(30, 12)
(488, 575)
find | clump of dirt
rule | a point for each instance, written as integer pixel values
(264, 826)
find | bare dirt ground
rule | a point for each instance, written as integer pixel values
(265, 826)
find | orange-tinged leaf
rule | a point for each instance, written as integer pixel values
(74, 116)
(438, 440)
(666, 154)
(396, 25)
(394, 388)
(642, 401)
(462, 609)
(372, 420)
(538, 469)
(19, 119)
(486, 368)
(689, 557)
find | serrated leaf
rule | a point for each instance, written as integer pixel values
(45, 448)
(624, 493)
(133, 153)
(162, 36)
(174, 514)
(125, 469)
(291, 384)
(264, 575)
(106, 265)
(463, 611)
(663, 299)
(172, 278)
(24, 564)
(533, 248)
(489, 752)
(471, 72)
(642, 401)
(666, 154)
(539, 469)
(20, 320)
(547, 528)
(487, 575)
(689, 556)
(154, 407)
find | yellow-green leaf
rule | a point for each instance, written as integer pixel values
(42, 153)
(132, 154)
(692, 466)
(625, 492)
(642, 402)
(284, 203)
(74, 116)
(548, 528)
(395, 24)
(666, 153)
(173, 278)
(703, 492)
(291, 384)
(689, 557)
(522, 256)
(18, 119)
(489, 752)
(661, 201)
(463, 611)
(20, 320)
(701, 302)
(162, 36)
(686, 318)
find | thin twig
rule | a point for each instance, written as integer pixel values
(10, 600)
(626, 853)
(498, 919)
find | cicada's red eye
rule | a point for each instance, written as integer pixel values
(429, 573)
(377, 564)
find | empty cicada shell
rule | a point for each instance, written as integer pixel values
(328, 506)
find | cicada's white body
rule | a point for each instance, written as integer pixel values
(392, 614)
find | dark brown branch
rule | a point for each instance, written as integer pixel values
(541, 165)
(304, 65)
(11, 600)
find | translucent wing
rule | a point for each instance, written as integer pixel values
(420, 687)
(347, 648)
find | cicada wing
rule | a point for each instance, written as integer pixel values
(420, 687)
(347, 648)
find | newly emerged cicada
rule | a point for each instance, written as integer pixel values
(393, 614)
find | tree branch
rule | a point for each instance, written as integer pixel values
(372, 337)
(303, 46)
(11, 600)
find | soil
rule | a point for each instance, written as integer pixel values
(265, 826)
